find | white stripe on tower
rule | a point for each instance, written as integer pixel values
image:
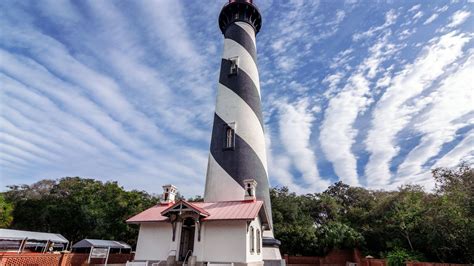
(218, 180)
(231, 108)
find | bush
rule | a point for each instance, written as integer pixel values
(399, 257)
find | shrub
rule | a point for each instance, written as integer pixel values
(399, 257)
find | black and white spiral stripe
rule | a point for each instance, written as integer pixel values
(238, 101)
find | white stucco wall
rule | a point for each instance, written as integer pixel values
(155, 241)
(251, 257)
(223, 241)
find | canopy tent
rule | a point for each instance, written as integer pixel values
(87, 246)
(9, 234)
(19, 240)
(99, 243)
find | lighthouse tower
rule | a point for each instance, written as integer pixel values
(238, 140)
(234, 223)
(237, 151)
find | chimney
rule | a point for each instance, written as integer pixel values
(169, 194)
(250, 186)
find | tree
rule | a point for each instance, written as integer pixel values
(78, 208)
(196, 198)
(407, 213)
(450, 222)
(336, 235)
(293, 225)
(6, 209)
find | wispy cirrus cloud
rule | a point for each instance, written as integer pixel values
(439, 123)
(372, 95)
(394, 110)
(337, 131)
(295, 126)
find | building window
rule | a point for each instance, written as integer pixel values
(252, 240)
(234, 65)
(249, 190)
(259, 242)
(229, 136)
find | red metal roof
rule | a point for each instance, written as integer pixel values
(152, 214)
(222, 210)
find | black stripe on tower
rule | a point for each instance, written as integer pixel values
(240, 163)
(239, 35)
(233, 160)
(242, 85)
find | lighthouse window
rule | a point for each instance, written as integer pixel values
(234, 65)
(229, 142)
(259, 242)
(252, 240)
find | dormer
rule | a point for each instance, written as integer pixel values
(250, 186)
(169, 194)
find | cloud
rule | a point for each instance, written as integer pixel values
(94, 115)
(125, 91)
(390, 18)
(459, 18)
(295, 134)
(337, 130)
(414, 8)
(393, 111)
(462, 152)
(439, 123)
(431, 19)
(418, 15)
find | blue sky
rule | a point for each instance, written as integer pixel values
(373, 93)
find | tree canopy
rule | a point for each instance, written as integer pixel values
(406, 223)
(410, 222)
(77, 208)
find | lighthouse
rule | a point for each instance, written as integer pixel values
(233, 225)
(237, 150)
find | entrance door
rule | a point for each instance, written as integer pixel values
(187, 239)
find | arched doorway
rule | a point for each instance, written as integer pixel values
(186, 244)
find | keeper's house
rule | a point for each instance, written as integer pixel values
(202, 232)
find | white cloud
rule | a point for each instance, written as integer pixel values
(431, 19)
(332, 80)
(295, 134)
(459, 18)
(94, 116)
(442, 9)
(418, 15)
(414, 8)
(462, 152)
(438, 125)
(337, 131)
(340, 15)
(392, 113)
(390, 18)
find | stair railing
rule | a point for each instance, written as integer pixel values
(186, 257)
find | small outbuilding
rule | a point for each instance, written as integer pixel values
(85, 246)
(30, 241)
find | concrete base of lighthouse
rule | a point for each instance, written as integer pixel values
(271, 250)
